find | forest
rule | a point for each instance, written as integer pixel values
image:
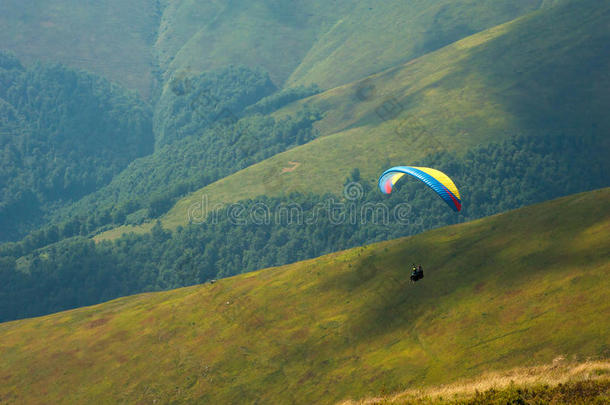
(77, 151)
(63, 135)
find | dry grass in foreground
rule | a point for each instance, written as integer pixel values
(560, 382)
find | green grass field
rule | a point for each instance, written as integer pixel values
(545, 72)
(513, 290)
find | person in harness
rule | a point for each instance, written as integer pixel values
(417, 273)
(420, 272)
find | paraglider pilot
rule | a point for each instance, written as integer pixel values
(417, 273)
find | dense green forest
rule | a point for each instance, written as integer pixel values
(192, 103)
(63, 135)
(150, 185)
(74, 144)
(272, 231)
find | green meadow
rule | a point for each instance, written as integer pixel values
(512, 290)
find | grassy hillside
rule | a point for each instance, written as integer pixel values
(112, 38)
(303, 41)
(373, 37)
(516, 289)
(543, 73)
(329, 43)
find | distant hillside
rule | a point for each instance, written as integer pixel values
(516, 289)
(542, 74)
(323, 42)
(138, 43)
(112, 38)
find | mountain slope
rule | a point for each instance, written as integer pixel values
(133, 42)
(328, 43)
(515, 289)
(374, 37)
(112, 38)
(543, 73)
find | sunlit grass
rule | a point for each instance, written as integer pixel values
(536, 379)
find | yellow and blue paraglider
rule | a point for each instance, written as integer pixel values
(435, 179)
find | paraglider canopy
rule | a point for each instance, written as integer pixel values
(435, 179)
